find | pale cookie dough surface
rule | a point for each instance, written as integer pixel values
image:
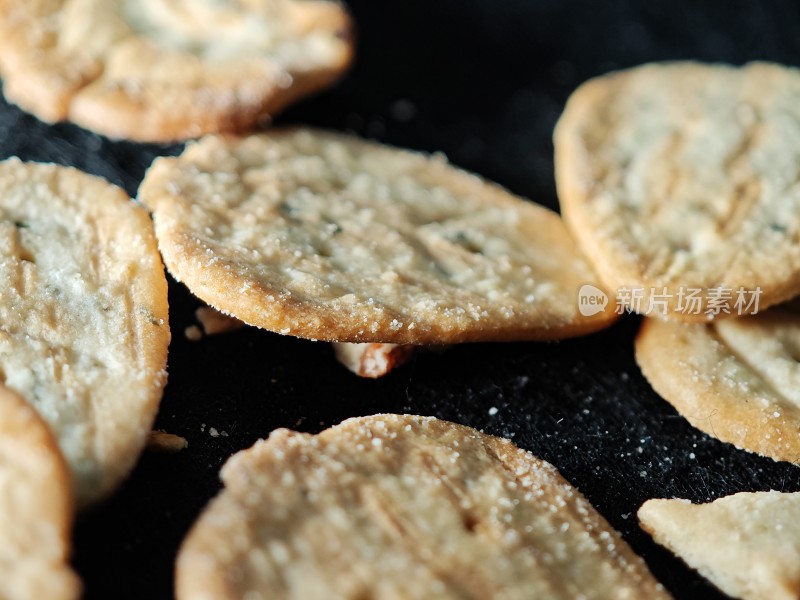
(325, 236)
(35, 507)
(747, 544)
(736, 379)
(162, 70)
(83, 316)
(394, 506)
(685, 175)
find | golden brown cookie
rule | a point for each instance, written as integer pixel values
(679, 179)
(736, 379)
(35, 507)
(163, 70)
(394, 506)
(83, 316)
(326, 236)
(747, 544)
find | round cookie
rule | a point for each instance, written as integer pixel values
(164, 70)
(329, 237)
(679, 179)
(738, 380)
(35, 507)
(393, 506)
(83, 316)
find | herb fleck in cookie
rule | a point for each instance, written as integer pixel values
(736, 379)
(329, 237)
(83, 316)
(681, 178)
(747, 544)
(35, 507)
(395, 506)
(162, 70)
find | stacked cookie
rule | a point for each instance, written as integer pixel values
(680, 182)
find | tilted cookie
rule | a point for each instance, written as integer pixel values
(678, 180)
(393, 506)
(736, 379)
(162, 70)
(35, 507)
(747, 544)
(83, 316)
(329, 237)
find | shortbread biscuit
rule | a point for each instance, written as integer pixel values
(35, 507)
(747, 544)
(372, 360)
(83, 316)
(163, 70)
(736, 379)
(679, 179)
(329, 237)
(394, 506)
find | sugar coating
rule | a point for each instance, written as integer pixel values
(329, 237)
(747, 544)
(396, 506)
(159, 70)
(735, 379)
(35, 507)
(84, 324)
(685, 175)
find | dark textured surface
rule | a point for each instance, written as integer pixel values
(483, 82)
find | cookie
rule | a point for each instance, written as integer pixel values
(678, 181)
(83, 316)
(735, 379)
(372, 360)
(35, 507)
(748, 544)
(394, 506)
(329, 237)
(164, 70)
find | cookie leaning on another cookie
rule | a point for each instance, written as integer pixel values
(329, 237)
(679, 179)
(395, 506)
(736, 379)
(747, 544)
(160, 70)
(83, 316)
(35, 507)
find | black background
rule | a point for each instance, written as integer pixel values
(483, 82)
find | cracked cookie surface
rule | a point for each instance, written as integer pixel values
(84, 324)
(326, 236)
(685, 175)
(736, 379)
(393, 506)
(165, 70)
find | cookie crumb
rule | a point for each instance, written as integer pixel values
(193, 333)
(166, 443)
